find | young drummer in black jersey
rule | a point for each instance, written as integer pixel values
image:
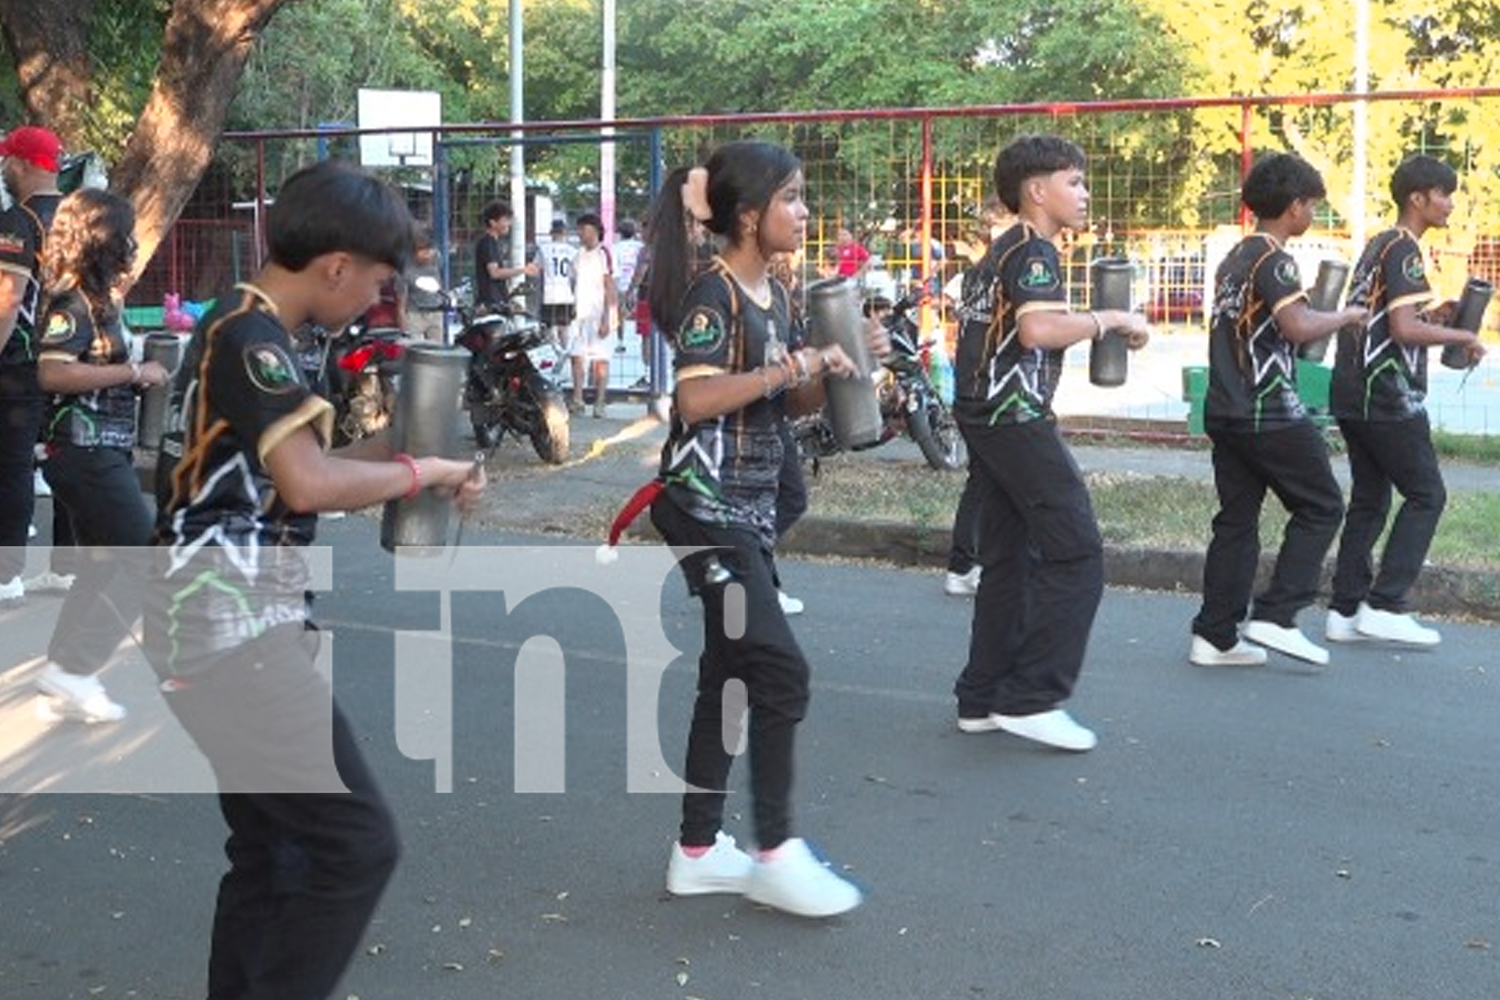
(244, 471)
(1378, 393)
(1263, 438)
(83, 363)
(1039, 544)
(736, 376)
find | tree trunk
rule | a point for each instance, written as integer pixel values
(49, 39)
(206, 45)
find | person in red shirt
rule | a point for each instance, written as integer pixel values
(852, 259)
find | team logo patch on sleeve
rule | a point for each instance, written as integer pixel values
(1287, 274)
(1413, 267)
(270, 368)
(60, 327)
(1037, 274)
(702, 332)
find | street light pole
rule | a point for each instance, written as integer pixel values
(517, 147)
(1361, 124)
(607, 114)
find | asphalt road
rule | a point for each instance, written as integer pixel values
(1279, 832)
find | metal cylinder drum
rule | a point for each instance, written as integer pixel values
(166, 350)
(835, 318)
(426, 422)
(1110, 279)
(1467, 316)
(1324, 296)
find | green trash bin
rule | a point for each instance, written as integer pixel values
(1194, 391)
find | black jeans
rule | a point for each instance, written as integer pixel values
(963, 552)
(20, 422)
(1383, 455)
(1293, 464)
(307, 868)
(98, 492)
(754, 646)
(1043, 571)
(791, 485)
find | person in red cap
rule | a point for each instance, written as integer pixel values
(29, 163)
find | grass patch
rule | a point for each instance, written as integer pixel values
(1133, 510)
(1483, 449)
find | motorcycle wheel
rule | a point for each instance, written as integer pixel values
(486, 430)
(550, 438)
(936, 433)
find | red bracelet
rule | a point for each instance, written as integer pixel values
(416, 473)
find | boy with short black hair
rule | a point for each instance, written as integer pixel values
(1039, 543)
(1263, 438)
(1379, 385)
(594, 313)
(492, 266)
(243, 474)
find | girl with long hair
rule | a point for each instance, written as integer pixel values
(736, 378)
(84, 365)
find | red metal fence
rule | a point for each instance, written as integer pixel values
(913, 184)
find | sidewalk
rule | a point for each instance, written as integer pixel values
(612, 457)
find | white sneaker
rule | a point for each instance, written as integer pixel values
(963, 584)
(78, 696)
(1394, 627)
(12, 591)
(794, 881)
(31, 531)
(1342, 628)
(1285, 640)
(789, 604)
(982, 724)
(39, 485)
(1055, 728)
(49, 581)
(724, 868)
(1241, 654)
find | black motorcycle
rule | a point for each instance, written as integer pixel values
(356, 370)
(909, 401)
(509, 386)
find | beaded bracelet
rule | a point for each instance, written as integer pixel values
(771, 391)
(1098, 325)
(416, 473)
(800, 363)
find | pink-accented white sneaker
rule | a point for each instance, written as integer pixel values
(723, 868)
(792, 879)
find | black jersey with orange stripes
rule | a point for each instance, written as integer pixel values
(103, 418)
(1252, 369)
(23, 230)
(998, 379)
(230, 569)
(724, 471)
(1375, 378)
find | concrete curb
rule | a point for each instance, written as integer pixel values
(1443, 592)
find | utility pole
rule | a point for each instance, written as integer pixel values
(518, 146)
(607, 114)
(1361, 125)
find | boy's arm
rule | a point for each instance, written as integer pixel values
(1300, 323)
(1409, 329)
(1059, 329)
(311, 479)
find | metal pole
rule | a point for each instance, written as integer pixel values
(607, 114)
(1361, 125)
(517, 149)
